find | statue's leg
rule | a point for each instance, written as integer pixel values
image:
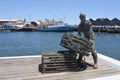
(94, 54)
(79, 60)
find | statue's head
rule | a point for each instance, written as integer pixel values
(82, 17)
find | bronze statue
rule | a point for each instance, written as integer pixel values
(85, 26)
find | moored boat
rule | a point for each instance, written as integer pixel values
(56, 28)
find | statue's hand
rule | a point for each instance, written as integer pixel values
(91, 42)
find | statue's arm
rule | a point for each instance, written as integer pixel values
(79, 29)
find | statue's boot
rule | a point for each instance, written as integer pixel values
(95, 66)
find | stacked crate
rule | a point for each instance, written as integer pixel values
(57, 61)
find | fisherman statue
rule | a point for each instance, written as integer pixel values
(81, 44)
(85, 27)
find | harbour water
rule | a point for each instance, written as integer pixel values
(33, 43)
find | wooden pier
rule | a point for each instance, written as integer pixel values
(18, 30)
(27, 68)
(5, 30)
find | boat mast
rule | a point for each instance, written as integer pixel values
(30, 17)
(64, 18)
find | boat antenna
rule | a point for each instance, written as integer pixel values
(64, 18)
(53, 16)
(30, 17)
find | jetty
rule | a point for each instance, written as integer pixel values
(28, 68)
(108, 29)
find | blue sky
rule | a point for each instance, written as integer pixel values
(57, 9)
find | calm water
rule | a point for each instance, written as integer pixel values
(33, 43)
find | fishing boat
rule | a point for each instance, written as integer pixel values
(56, 28)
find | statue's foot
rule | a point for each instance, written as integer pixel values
(95, 66)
